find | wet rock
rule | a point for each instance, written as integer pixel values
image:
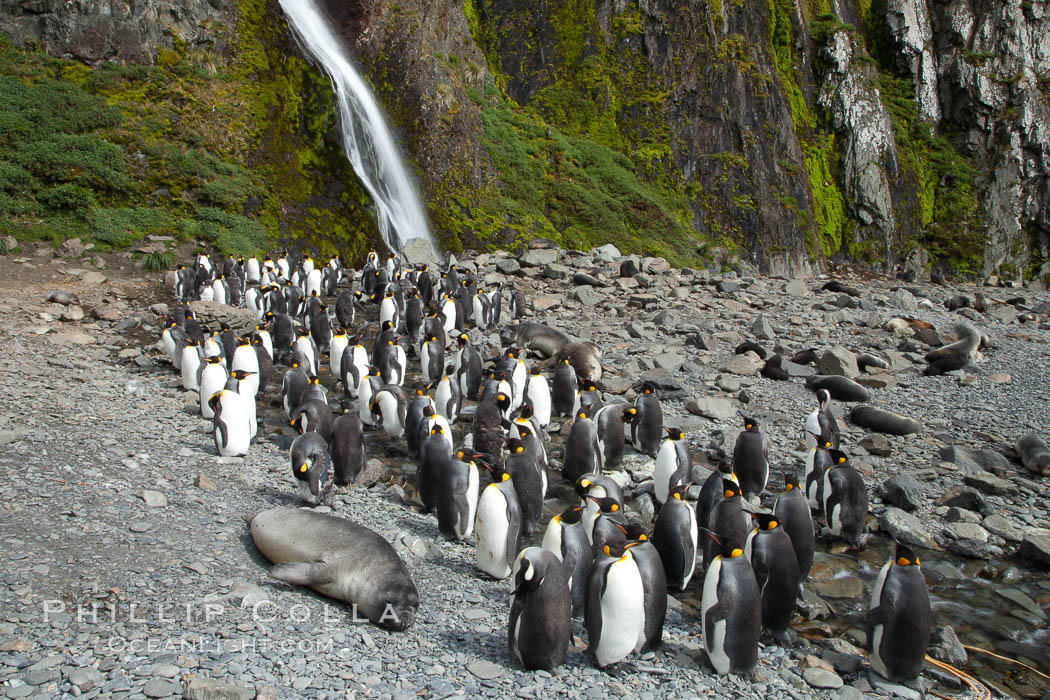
(966, 531)
(838, 360)
(903, 491)
(1036, 547)
(906, 528)
(850, 587)
(1021, 600)
(877, 445)
(945, 646)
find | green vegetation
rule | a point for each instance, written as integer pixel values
(820, 156)
(587, 159)
(238, 154)
(159, 260)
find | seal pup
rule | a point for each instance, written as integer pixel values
(339, 559)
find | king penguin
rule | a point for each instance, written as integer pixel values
(773, 560)
(564, 389)
(347, 448)
(566, 537)
(728, 520)
(646, 428)
(899, 618)
(581, 449)
(231, 429)
(497, 529)
(845, 502)
(540, 625)
(673, 464)
(731, 611)
(751, 459)
(312, 469)
(675, 536)
(820, 424)
(793, 512)
(615, 605)
(456, 496)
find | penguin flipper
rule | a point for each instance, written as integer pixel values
(301, 573)
(223, 438)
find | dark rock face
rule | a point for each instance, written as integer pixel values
(99, 30)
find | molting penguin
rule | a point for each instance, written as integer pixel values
(293, 386)
(312, 468)
(751, 458)
(347, 448)
(792, 510)
(615, 605)
(456, 496)
(581, 449)
(673, 465)
(313, 415)
(518, 305)
(432, 358)
(497, 530)
(646, 428)
(344, 308)
(566, 537)
(845, 502)
(899, 618)
(731, 611)
(488, 425)
(773, 560)
(675, 536)
(540, 624)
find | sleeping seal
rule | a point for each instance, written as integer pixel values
(340, 559)
(584, 358)
(542, 340)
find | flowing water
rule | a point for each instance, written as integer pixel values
(367, 140)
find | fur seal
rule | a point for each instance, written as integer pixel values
(883, 421)
(840, 288)
(840, 388)
(1034, 454)
(865, 360)
(339, 559)
(61, 296)
(543, 340)
(582, 278)
(585, 358)
(955, 355)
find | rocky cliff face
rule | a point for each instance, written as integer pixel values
(788, 132)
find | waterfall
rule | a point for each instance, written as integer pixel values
(367, 140)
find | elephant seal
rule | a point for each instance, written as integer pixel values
(841, 388)
(883, 421)
(542, 340)
(1034, 454)
(585, 358)
(339, 559)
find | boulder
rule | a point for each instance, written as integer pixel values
(906, 528)
(714, 407)
(420, 251)
(838, 360)
(903, 491)
(607, 253)
(212, 313)
(1036, 547)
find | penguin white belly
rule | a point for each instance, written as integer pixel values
(479, 313)
(313, 282)
(451, 321)
(833, 513)
(190, 364)
(335, 353)
(234, 416)
(552, 538)
(811, 488)
(169, 344)
(490, 533)
(714, 638)
(517, 382)
(207, 294)
(666, 463)
(812, 428)
(747, 543)
(267, 343)
(250, 410)
(391, 424)
(304, 491)
(388, 311)
(590, 513)
(218, 292)
(694, 536)
(517, 633)
(623, 613)
(875, 658)
(364, 401)
(539, 396)
(251, 270)
(398, 372)
(441, 398)
(212, 381)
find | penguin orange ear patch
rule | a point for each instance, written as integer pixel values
(729, 494)
(789, 487)
(607, 551)
(614, 507)
(302, 467)
(736, 553)
(506, 476)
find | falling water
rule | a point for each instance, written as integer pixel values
(366, 138)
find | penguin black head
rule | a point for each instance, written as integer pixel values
(606, 504)
(648, 388)
(766, 521)
(530, 574)
(582, 415)
(750, 424)
(462, 339)
(674, 433)
(240, 374)
(526, 410)
(302, 332)
(838, 457)
(730, 488)
(213, 400)
(905, 556)
(680, 492)
(637, 533)
(790, 482)
(438, 430)
(503, 401)
(523, 432)
(823, 396)
(428, 411)
(387, 325)
(242, 342)
(616, 550)
(515, 446)
(725, 467)
(570, 516)
(213, 359)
